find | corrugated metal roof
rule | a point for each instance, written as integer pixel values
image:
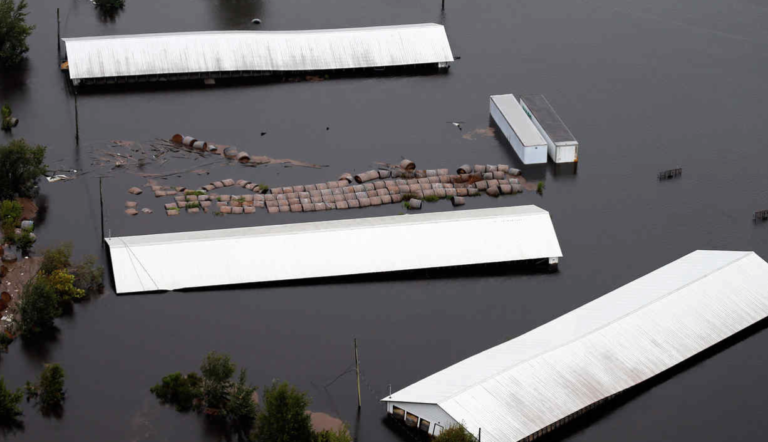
(518, 120)
(311, 250)
(606, 346)
(546, 116)
(224, 51)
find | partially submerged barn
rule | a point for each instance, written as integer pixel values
(214, 54)
(311, 250)
(536, 382)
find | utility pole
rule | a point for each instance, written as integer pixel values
(443, 8)
(479, 434)
(357, 369)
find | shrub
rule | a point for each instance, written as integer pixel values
(5, 341)
(25, 241)
(49, 389)
(89, 277)
(179, 390)
(9, 404)
(10, 215)
(109, 6)
(13, 32)
(262, 188)
(5, 117)
(39, 306)
(57, 258)
(20, 167)
(455, 433)
(340, 435)
(63, 284)
(284, 417)
(540, 187)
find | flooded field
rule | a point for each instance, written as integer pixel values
(644, 87)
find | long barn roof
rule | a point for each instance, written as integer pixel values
(311, 250)
(269, 51)
(608, 345)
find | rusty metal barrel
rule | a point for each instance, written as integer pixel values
(177, 138)
(230, 152)
(517, 188)
(492, 191)
(464, 169)
(200, 145)
(407, 165)
(188, 141)
(367, 176)
(347, 176)
(243, 157)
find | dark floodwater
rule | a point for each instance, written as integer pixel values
(644, 86)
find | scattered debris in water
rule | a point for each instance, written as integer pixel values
(670, 173)
(480, 132)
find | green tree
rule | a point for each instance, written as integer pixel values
(63, 284)
(89, 277)
(455, 433)
(284, 417)
(241, 411)
(40, 305)
(5, 117)
(20, 167)
(179, 390)
(14, 31)
(217, 370)
(57, 258)
(9, 404)
(49, 389)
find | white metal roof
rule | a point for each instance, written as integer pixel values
(310, 250)
(608, 345)
(223, 51)
(518, 120)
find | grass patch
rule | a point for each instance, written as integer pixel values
(262, 187)
(431, 198)
(195, 192)
(240, 200)
(218, 214)
(193, 205)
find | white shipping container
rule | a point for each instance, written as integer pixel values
(528, 143)
(561, 144)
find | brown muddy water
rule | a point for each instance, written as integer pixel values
(644, 86)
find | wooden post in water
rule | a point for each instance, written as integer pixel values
(101, 206)
(77, 119)
(357, 370)
(479, 434)
(443, 8)
(58, 33)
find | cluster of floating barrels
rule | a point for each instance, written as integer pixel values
(230, 152)
(371, 188)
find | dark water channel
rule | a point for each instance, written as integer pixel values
(644, 86)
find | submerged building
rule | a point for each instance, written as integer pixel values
(561, 144)
(524, 388)
(518, 128)
(215, 54)
(312, 250)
